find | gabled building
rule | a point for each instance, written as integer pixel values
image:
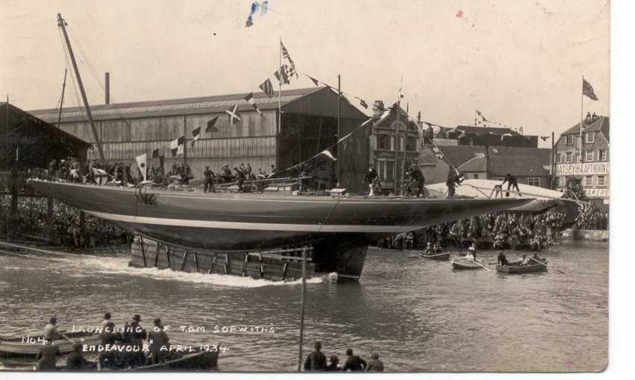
(528, 165)
(592, 165)
(394, 147)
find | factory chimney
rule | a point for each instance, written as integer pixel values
(107, 88)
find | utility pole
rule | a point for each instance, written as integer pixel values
(339, 158)
(59, 118)
(61, 23)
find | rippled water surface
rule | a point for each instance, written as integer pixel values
(419, 315)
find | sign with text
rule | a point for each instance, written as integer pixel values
(583, 169)
(596, 193)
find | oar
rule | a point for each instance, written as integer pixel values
(481, 265)
(539, 262)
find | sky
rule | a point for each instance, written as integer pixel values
(519, 62)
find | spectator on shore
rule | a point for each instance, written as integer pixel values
(353, 362)
(316, 360)
(375, 365)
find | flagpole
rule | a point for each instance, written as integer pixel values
(279, 129)
(339, 96)
(581, 118)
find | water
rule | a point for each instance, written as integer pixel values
(419, 315)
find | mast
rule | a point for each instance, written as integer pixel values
(339, 96)
(279, 126)
(396, 174)
(59, 118)
(61, 23)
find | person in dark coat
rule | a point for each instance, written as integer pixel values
(375, 365)
(502, 259)
(512, 183)
(47, 356)
(76, 361)
(209, 180)
(353, 362)
(316, 361)
(134, 335)
(417, 178)
(452, 181)
(369, 177)
(333, 365)
(240, 178)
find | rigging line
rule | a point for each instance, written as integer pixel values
(93, 71)
(81, 109)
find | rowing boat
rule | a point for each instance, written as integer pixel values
(436, 256)
(516, 268)
(202, 360)
(29, 346)
(467, 264)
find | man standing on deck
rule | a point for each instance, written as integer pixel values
(416, 177)
(316, 361)
(370, 176)
(512, 183)
(134, 335)
(209, 181)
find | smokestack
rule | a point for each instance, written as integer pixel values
(107, 88)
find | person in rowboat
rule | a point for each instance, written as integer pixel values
(50, 330)
(354, 363)
(428, 250)
(437, 247)
(524, 260)
(157, 338)
(502, 259)
(76, 361)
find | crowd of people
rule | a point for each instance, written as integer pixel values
(316, 362)
(31, 222)
(507, 230)
(592, 219)
(131, 337)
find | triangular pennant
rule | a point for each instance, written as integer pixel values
(210, 125)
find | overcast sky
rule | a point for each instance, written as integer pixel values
(519, 62)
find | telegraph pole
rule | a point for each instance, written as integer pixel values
(62, 24)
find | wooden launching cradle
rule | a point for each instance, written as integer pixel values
(275, 265)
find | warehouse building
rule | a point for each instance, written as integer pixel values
(309, 126)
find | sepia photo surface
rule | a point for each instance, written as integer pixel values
(291, 186)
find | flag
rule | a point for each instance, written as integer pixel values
(233, 114)
(327, 154)
(155, 153)
(267, 88)
(544, 138)
(587, 90)
(362, 102)
(180, 150)
(282, 75)
(142, 164)
(250, 99)
(174, 146)
(285, 54)
(196, 133)
(210, 125)
(315, 81)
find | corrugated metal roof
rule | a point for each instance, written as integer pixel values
(187, 106)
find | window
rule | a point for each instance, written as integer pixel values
(568, 140)
(569, 157)
(590, 137)
(559, 158)
(588, 181)
(389, 171)
(383, 142)
(533, 181)
(601, 180)
(411, 144)
(603, 155)
(475, 176)
(589, 156)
